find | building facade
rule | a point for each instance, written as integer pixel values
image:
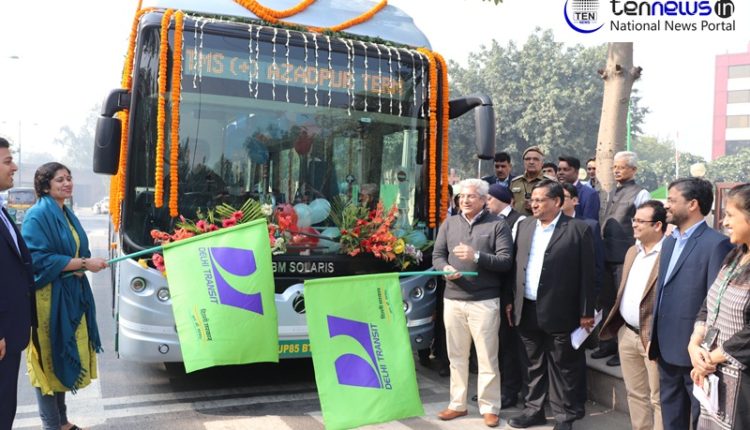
(731, 131)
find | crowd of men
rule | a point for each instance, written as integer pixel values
(550, 250)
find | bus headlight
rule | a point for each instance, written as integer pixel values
(406, 306)
(431, 285)
(417, 293)
(163, 294)
(138, 285)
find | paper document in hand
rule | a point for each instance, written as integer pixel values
(579, 335)
(708, 395)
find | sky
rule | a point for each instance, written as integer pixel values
(57, 65)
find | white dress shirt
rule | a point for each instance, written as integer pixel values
(539, 242)
(9, 224)
(630, 304)
(514, 227)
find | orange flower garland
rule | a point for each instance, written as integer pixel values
(117, 190)
(174, 128)
(444, 134)
(117, 182)
(274, 16)
(432, 143)
(161, 108)
(362, 18)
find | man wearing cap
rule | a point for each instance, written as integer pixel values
(512, 352)
(521, 186)
(500, 203)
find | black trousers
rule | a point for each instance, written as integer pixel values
(607, 297)
(513, 360)
(555, 369)
(9, 366)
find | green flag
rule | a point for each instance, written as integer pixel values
(364, 367)
(222, 290)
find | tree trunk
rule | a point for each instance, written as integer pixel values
(618, 77)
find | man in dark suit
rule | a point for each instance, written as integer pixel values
(502, 174)
(690, 260)
(588, 198)
(15, 297)
(554, 295)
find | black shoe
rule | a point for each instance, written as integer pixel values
(563, 426)
(424, 357)
(509, 402)
(603, 352)
(614, 361)
(522, 421)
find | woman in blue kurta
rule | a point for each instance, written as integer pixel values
(62, 353)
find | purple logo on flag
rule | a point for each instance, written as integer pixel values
(238, 262)
(352, 369)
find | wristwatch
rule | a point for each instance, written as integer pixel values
(476, 257)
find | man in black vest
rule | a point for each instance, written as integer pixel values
(617, 232)
(512, 353)
(16, 304)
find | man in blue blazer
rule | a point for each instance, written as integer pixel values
(690, 260)
(16, 303)
(588, 198)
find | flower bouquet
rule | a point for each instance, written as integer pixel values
(377, 232)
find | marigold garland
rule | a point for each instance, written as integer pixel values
(268, 14)
(161, 108)
(362, 18)
(444, 134)
(117, 189)
(274, 16)
(432, 141)
(174, 128)
(117, 182)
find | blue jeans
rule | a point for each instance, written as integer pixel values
(52, 410)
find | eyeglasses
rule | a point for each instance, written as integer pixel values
(641, 221)
(540, 201)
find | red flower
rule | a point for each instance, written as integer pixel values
(181, 233)
(160, 236)
(202, 226)
(229, 222)
(238, 215)
(158, 261)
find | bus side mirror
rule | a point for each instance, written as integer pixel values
(108, 132)
(107, 145)
(484, 122)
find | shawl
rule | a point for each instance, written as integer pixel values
(50, 241)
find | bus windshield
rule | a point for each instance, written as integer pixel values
(280, 117)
